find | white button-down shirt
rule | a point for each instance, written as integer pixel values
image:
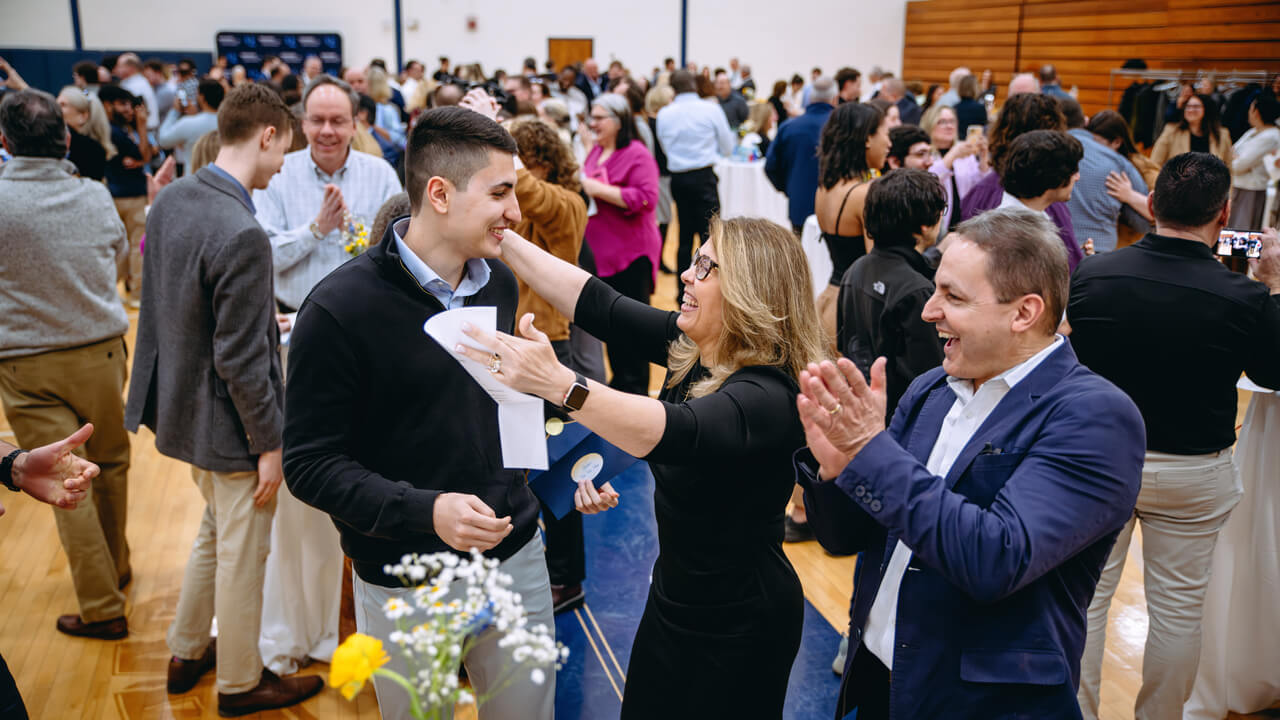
(694, 133)
(291, 203)
(967, 414)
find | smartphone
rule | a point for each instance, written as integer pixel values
(973, 133)
(1240, 243)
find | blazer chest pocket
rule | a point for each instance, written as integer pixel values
(987, 475)
(1020, 667)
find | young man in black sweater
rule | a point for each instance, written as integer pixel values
(386, 432)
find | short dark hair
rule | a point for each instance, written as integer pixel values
(396, 206)
(452, 143)
(188, 62)
(154, 65)
(1024, 257)
(32, 123)
(1191, 190)
(86, 70)
(900, 203)
(1111, 125)
(367, 106)
(212, 92)
(1039, 161)
(113, 93)
(1048, 74)
(842, 147)
(1071, 112)
(682, 81)
(409, 65)
(902, 138)
(846, 75)
(1268, 108)
(249, 108)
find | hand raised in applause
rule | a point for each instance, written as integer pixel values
(332, 210)
(464, 521)
(840, 413)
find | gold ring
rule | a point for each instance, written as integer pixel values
(836, 410)
(495, 364)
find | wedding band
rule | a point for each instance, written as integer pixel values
(495, 364)
(836, 410)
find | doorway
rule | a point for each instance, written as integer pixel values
(569, 51)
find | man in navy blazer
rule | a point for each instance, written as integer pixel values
(985, 512)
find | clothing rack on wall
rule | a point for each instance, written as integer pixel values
(1178, 76)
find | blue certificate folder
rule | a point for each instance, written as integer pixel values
(575, 454)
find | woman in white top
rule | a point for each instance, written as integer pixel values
(1248, 169)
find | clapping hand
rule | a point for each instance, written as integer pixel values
(53, 474)
(840, 412)
(332, 209)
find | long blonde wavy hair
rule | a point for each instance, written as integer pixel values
(768, 313)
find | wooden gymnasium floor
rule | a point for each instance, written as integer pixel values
(62, 677)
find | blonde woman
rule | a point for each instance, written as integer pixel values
(722, 623)
(386, 125)
(90, 129)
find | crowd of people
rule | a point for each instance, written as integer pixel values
(992, 388)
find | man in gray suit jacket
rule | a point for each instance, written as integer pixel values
(206, 379)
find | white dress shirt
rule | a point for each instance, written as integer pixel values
(694, 134)
(291, 203)
(967, 414)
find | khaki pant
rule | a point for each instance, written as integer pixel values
(133, 213)
(1184, 502)
(488, 666)
(47, 397)
(224, 578)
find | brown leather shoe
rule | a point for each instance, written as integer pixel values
(113, 629)
(184, 674)
(273, 692)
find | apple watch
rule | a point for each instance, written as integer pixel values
(576, 396)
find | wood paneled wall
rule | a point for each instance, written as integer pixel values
(1086, 39)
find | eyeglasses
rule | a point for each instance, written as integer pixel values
(703, 265)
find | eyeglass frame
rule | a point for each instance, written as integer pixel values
(699, 271)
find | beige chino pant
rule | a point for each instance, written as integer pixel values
(47, 397)
(1184, 502)
(224, 578)
(133, 213)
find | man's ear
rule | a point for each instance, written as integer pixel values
(893, 163)
(1028, 312)
(439, 194)
(264, 140)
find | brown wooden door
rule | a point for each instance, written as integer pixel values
(569, 51)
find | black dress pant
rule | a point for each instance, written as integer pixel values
(11, 705)
(697, 199)
(630, 369)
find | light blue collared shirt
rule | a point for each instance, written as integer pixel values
(694, 133)
(248, 199)
(473, 280)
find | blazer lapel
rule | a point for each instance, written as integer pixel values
(924, 433)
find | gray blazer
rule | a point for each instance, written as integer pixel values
(206, 371)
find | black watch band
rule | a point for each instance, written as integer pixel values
(576, 397)
(6, 469)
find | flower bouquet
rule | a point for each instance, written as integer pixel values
(440, 627)
(355, 235)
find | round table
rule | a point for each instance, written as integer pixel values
(745, 191)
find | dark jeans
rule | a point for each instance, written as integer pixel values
(631, 371)
(697, 199)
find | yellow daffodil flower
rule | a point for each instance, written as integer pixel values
(354, 662)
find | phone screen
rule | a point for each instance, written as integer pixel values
(973, 133)
(1240, 243)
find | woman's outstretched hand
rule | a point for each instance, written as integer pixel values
(527, 364)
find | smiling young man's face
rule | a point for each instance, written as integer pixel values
(480, 212)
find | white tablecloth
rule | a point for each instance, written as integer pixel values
(815, 249)
(746, 192)
(1239, 656)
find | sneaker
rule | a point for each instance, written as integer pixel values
(272, 692)
(837, 665)
(184, 674)
(794, 532)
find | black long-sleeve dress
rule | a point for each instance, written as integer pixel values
(722, 623)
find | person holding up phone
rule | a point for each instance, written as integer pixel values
(1174, 328)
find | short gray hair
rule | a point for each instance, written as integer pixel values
(322, 80)
(1025, 256)
(824, 90)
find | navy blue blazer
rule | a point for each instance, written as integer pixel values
(792, 160)
(1007, 548)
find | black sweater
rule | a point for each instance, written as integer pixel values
(380, 419)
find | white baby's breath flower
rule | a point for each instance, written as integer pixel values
(537, 676)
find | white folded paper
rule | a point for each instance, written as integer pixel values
(1246, 384)
(520, 422)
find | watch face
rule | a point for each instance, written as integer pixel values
(577, 396)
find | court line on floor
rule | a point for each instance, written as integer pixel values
(578, 614)
(605, 640)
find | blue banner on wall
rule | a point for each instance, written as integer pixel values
(251, 48)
